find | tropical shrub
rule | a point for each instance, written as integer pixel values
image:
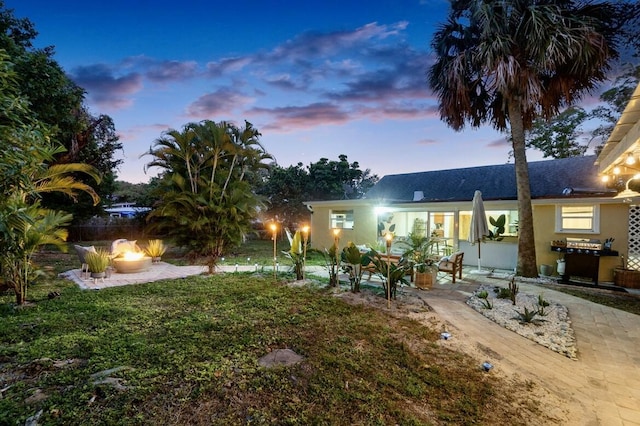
(354, 262)
(207, 202)
(296, 255)
(25, 174)
(390, 273)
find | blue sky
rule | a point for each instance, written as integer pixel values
(317, 78)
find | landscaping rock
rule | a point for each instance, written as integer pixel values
(33, 420)
(280, 357)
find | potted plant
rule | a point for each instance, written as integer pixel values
(155, 249)
(422, 260)
(98, 262)
(426, 273)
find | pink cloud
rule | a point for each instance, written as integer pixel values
(290, 118)
(219, 103)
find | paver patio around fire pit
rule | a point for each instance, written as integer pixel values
(157, 271)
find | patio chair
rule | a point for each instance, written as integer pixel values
(82, 251)
(452, 265)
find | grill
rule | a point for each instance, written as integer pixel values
(582, 258)
(577, 243)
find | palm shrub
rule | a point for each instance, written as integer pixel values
(418, 252)
(209, 171)
(330, 257)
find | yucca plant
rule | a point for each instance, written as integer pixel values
(97, 261)
(155, 248)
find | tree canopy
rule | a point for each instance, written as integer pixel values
(26, 173)
(564, 135)
(55, 100)
(286, 188)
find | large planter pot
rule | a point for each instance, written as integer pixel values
(546, 270)
(626, 278)
(425, 280)
(98, 274)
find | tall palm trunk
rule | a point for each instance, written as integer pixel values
(526, 266)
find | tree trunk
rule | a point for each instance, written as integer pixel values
(526, 266)
(19, 295)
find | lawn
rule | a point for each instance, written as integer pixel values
(186, 352)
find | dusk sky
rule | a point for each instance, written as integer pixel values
(317, 78)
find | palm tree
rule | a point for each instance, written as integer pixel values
(207, 197)
(508, 62)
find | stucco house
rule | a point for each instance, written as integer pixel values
(569, 200)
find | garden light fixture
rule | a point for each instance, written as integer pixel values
(274, 229)
(389, 238)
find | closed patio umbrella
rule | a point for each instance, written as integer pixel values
(478, 228)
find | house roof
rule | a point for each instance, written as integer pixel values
(567, 177)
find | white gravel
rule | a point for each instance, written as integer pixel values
(552, 330)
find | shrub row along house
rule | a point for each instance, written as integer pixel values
(569, 198)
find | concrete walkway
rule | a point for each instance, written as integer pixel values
(604, 382)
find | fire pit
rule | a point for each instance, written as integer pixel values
(131, 263)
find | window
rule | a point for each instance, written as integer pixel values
(510, 223)
(582, 219)
(341, 219)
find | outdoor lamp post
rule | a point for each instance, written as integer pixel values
(389, 238)
(274, 228)
(336, 241)
(305, 238)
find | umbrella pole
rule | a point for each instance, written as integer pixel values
(479, 265)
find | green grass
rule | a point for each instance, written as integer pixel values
(624, 301)
(188, 352)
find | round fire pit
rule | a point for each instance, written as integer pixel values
(129, 266)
